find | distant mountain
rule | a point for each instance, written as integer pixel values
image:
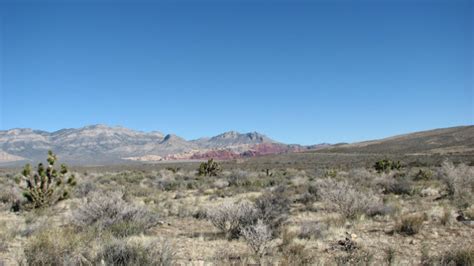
(233, 138)
(101, 144)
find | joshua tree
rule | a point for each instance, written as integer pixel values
(209, 168)
(48, 185)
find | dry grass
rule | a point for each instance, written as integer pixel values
(410, 224)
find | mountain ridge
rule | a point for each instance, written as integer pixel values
(101, 144)
(104, 144)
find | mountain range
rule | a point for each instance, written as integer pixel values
(101, 144)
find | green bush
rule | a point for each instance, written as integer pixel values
(209, 168)
(48, 185)
(386, 165)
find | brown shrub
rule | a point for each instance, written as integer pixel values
(410, 224)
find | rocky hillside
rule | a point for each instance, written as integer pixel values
(100, 144)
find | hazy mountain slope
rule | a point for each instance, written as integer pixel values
(25, 143)
(100, 144)
(440, 141)
(6, 158)
(233, 138)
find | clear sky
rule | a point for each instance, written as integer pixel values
(299, 71)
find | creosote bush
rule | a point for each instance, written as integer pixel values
(209, 168)
(60, 246)
(232, 217)
(122, 252)
(459, 181)
(349, 201)
(48, 185)
(312, 230)
(258, 237)
(293, 253)
(459, 256)
(111, 212)
(423, 175)
(398, 186)
(273, 208)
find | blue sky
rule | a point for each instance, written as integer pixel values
(299, 71)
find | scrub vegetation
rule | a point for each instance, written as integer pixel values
(380, 212)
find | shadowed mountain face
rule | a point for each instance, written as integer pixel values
(100, 144)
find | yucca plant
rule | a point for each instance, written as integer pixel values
(387, 165)
(209, 168)
(47, 185)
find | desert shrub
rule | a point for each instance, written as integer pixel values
(84, 188)
(457, 256)
(469, 212)
(459, 181)
(446, 217)
(59, 246)
(398, 186)
(390, 255)
(258, 237)
(273, 208)
(313, 191)
(349, 201)
(239, 178)
(48, 185)
(410, 224)
(167, 181)
(312, 230)
(174, 170)
(293, 253)
(330, 173)
(10, 198)
(220, 184)
(423, 175)
(209, 168)
(111, 212)
(386, 165)
(362, 177)
(267, 172)
(8, 232)
(231, 217)
(358, 257)
(121, 252)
